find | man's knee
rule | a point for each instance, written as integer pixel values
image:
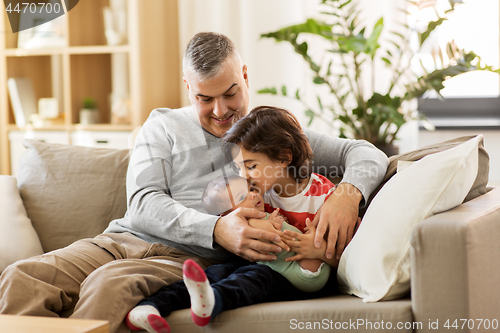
(22, 269)
(127, 275)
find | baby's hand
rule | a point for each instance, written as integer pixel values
(303, 244)
(267, 225)
(276, 219)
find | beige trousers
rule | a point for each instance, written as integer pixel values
(96, 278)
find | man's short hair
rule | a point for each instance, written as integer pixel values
(206, 52)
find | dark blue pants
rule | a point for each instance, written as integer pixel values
(237, 284)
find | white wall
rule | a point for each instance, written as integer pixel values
(272, 64)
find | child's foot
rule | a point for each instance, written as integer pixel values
(146, 317)
(200, 291)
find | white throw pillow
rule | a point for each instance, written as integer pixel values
(18, 239)
(376, 263)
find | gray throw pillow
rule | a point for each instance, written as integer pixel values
(71, 192)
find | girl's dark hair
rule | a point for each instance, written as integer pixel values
(274, 132)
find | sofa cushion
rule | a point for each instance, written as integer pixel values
(375, 265)
(71, 192)
(480, 183)
(340, 313)
(18, 239)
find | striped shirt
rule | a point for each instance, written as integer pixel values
(303, 205)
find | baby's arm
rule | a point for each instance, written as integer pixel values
(303, 245)
(269, 225)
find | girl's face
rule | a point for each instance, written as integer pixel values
(259, 169)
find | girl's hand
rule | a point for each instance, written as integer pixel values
(304, 244)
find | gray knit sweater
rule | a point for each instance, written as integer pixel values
(175, 158)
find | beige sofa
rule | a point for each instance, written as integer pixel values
(73, 192)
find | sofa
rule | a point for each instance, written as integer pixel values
(64, 193)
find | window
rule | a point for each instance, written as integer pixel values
(471, 99)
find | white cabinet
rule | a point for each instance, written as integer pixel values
(101, 139)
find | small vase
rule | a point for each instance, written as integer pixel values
(89, 116)
(388, 148)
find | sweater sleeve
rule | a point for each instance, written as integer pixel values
(164, 186)
(358, 162)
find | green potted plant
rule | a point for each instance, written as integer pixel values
(89, 114)
(378, 116)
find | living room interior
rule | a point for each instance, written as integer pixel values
(91, 77)
(126, 77)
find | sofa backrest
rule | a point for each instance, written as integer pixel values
(71, 192)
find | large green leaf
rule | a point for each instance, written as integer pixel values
(311, 26)
(430, 28)
(372, 42)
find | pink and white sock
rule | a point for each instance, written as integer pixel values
(146, 317)
(200, 292)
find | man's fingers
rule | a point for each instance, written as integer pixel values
(283, 246)
(295, 257)
(276, 224)
(293, 234)
(350, 235)
(316, 218)
(256, 256)
(250, 213)
(341, 243)
(286, 237)
(330, 246)
(320, 233)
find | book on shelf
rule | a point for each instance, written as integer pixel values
(22, 98)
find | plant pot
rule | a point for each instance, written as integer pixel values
(89, 116)
(388, 148)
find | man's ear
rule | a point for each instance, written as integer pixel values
(245, 75)
(286, 157)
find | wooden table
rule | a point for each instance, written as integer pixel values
(28, 324)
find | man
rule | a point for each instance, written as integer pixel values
(177, 152)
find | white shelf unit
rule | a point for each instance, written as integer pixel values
(85, 67)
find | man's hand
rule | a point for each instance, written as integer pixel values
(338, 215)
(233, 233)
(270, 226)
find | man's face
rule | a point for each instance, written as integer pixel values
(221, 101)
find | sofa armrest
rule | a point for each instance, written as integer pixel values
(455, 263)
